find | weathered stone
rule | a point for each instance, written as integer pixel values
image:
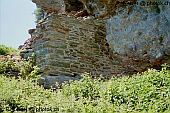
(50, 81)
(73, 43)
(72, 37)
(44, 68)
(58, 73)
(30, 31)
(69, 58)
(58, 36)
(75, 65)
(42, 51)
(51, 5)
(167, 52)
(57, 45)
(59, 52)
(106, 67)
(27, 55)
(77, 70)
(136, 34)
(58, 63)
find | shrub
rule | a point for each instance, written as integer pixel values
(146, 92)
(23, 67)
(7, 50)
(39, 15)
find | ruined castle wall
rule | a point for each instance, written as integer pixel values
(137, 39)
(70, 46)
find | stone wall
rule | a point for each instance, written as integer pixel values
(70, 46)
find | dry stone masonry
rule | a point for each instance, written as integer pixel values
(101, 37)
(67, 46)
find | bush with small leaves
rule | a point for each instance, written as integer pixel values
(7, 50)
(23, 67)
(147, 92)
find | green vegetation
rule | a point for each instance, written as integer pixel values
(38, 15)
(147, 92)
(7, 50)
(22, 67)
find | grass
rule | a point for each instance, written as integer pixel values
(147, 92)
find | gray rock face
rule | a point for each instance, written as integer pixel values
(140, 31)
(50, 81)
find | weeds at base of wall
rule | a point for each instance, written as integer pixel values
(147, 92)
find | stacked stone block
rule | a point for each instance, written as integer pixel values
(70, 46)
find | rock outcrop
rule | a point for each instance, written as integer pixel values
(108, 37)
(49, 6)
(141, 32)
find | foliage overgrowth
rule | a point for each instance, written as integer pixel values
(39, 14)
(147, 92)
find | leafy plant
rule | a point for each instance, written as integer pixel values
(34, 75)
(86, 87)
